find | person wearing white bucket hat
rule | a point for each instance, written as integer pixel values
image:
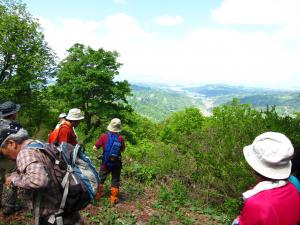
(66, 131)
(274, 200)
(52, 137)
(113, 144)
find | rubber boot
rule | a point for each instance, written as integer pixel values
(99, 192)
(114, 196)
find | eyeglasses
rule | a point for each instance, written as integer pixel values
(7, 129)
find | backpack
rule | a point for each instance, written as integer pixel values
(53, 135)
(112, 152)
(74, 172)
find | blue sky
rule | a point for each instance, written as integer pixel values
(248, 42)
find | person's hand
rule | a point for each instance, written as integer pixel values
(8, 181)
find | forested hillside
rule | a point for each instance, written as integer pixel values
(158, 102)
(180, 166)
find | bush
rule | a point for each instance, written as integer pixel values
(156, 161)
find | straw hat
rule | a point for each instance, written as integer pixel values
(270, 155)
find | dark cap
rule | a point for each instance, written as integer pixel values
(8, 108)
(7, 128)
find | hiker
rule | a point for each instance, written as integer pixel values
(52, 137)
(107, 140)
(62, 119)
(33, 176)
(8, 114)
(9, 110)
(273, 200)
(67, 129)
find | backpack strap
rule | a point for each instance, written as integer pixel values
(56, 217)
(37, 196)
(36, 144)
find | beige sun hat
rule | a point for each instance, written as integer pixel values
(115, 125)
(270, 155)
(75, 114)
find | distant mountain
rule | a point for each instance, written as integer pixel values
(159, 101)
(212, 90)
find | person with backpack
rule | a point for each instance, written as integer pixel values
(8, 114)
(273, 200)
(52, 137)
(113, 144)
(66, 131)
(62, 119)
(38, 175)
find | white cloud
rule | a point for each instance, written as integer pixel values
(122, 26)
(61, 34)
(90, 25)
(201, 55)
(169, 20)
(260, 12)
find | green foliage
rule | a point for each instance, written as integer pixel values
(188, 156)
(176, 193)
(148, 161)
(158, 104)
(224, 172)
(138, 128)
(85, 79)
(26, 62)
(181, 124)
(108, 216)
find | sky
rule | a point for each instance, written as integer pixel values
(237, 42)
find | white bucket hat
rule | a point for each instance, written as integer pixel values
(75, 114)
(62, 115)
(270, 155)
(115, 125)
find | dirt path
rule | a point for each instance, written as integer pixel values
(140, 210)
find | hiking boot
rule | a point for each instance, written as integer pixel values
(114, 196)
(11, 210)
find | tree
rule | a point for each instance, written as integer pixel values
(26, 61)
(86, 80)
(181, 124)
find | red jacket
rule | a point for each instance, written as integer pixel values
(277, 206)
(67, 134)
